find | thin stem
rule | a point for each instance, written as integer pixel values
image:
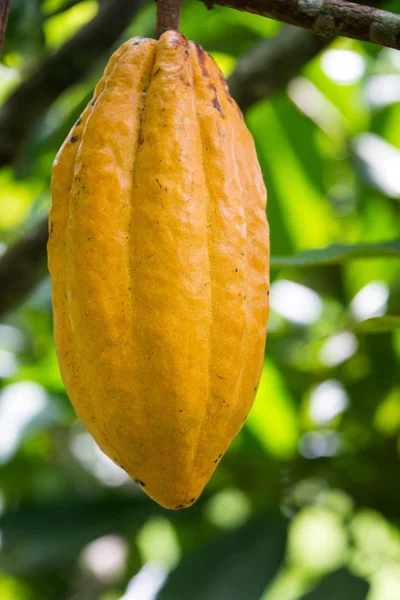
(168, 12)
(4, 8)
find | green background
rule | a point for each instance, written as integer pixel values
(306, 502)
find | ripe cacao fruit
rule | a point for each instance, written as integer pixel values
(159, 254)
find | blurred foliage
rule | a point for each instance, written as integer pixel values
(305, 505)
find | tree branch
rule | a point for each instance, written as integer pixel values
(29, 102)
(4, 10)
(328, 18)
(22, 267)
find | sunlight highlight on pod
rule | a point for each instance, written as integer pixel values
(20, 403)
(370, 301)
(344, 67)
(295, 302)
(381, 161)
(106, 557)
(338, 348)
(328, 400)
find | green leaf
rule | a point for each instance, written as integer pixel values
(43, 537)
(378, 324)
(273, 418)
(336, 253)
(340, 585)
(303, 208)
(237, 565)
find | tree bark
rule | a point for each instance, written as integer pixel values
(328, 18)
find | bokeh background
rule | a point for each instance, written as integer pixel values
(306, 503)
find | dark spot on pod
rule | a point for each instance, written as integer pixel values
(156, 72)
(115, 460)
(141, 139)
(139, 482)
(202, 59)
(236, 270)
(74, 139)
(187, 52)
(138, 41)
(51, 227)
(217, 105)
(192, 500)
(219, 455)
(78, 122)
(93, 101)
(244, 418)
(179, 506)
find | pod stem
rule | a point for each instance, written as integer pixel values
(168, 12)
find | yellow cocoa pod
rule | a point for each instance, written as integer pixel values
(159, 255)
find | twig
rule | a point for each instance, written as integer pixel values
(168, 12)
(328, 18)
(4, 10)
(29, 102)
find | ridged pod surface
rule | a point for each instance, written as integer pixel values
(159, 255)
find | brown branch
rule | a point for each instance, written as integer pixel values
(328, 18)
(4, 10)
(168, 13)
(22, 267)
(30, 101)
